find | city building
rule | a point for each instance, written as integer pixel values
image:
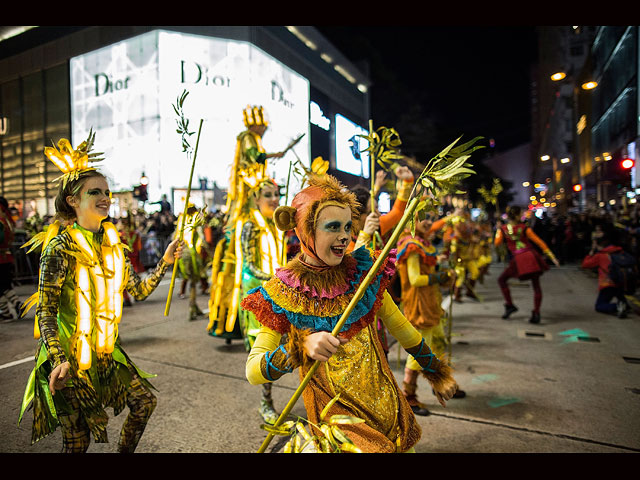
(586, 116)
(122, 82)
(615, 113)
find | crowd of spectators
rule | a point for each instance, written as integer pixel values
(154, 229)
(572, 236)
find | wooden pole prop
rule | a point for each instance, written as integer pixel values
(181, 231)
(372, 193)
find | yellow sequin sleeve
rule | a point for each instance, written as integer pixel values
(397, 323)
(267, 340)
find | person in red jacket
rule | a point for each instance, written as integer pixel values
(8, 297)
(600, 257)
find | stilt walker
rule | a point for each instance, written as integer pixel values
(252, 248)
(81, 369)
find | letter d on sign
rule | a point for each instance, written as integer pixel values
(105, 82)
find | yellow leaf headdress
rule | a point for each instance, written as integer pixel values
(72, 162)
(254, 116)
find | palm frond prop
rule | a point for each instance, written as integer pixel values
(198, 219)
(331, 439)
(491, 195)
(442, 176)
(384, 147)
(183, 123)
(183, 129)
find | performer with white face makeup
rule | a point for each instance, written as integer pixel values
(305, 300)
(81, 368)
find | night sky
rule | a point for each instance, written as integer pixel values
(434, 83)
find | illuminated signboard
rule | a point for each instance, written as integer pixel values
(126, 92)
(350, 157)
(317, 118)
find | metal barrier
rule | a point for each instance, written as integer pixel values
(27, 265)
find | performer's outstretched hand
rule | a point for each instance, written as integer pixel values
(173, 251)
(59, 377)
(381, 175)
(321, 345)
(404, 173)
(446, 391)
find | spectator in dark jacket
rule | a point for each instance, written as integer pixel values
(600, 257)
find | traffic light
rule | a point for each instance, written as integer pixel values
(140, 192)
(627, 163)
(577, 187)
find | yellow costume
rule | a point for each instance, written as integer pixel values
(247, 174)
(304, 298)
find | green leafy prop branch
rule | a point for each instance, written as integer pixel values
(441, 175)
(183, 130)
(490, 196)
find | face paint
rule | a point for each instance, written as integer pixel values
(94, 199)
(332, 235)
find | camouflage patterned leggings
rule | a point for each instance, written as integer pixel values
(76, 434)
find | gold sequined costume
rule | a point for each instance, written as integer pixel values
(303, 298)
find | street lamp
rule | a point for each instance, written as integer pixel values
(580, 125)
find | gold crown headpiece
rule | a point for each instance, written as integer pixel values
(254, 116)
(73, 162)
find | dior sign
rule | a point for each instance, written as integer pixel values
(192, 72)
(106, 84)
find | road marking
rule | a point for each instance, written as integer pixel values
(17, 362)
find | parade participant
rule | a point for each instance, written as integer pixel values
(463, 254)
(261, 253)
(305, 300)
(252, 248)
(599, 257)
(484, 235)
(368, 222)
(131, 237)
(191, 265)
(81, 369)
(8, 298)
(421, 281)
(526, 263)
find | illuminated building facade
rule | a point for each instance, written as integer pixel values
(122, 82)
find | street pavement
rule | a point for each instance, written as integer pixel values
(570, 384)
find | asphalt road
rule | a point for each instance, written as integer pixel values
(570, 384)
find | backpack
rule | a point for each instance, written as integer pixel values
(623, 271)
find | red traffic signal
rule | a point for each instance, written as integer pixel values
(577, 187)
(627, 163)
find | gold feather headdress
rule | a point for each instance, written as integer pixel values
(73, 162)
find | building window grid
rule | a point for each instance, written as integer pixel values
(38, 116)
(615, 107)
